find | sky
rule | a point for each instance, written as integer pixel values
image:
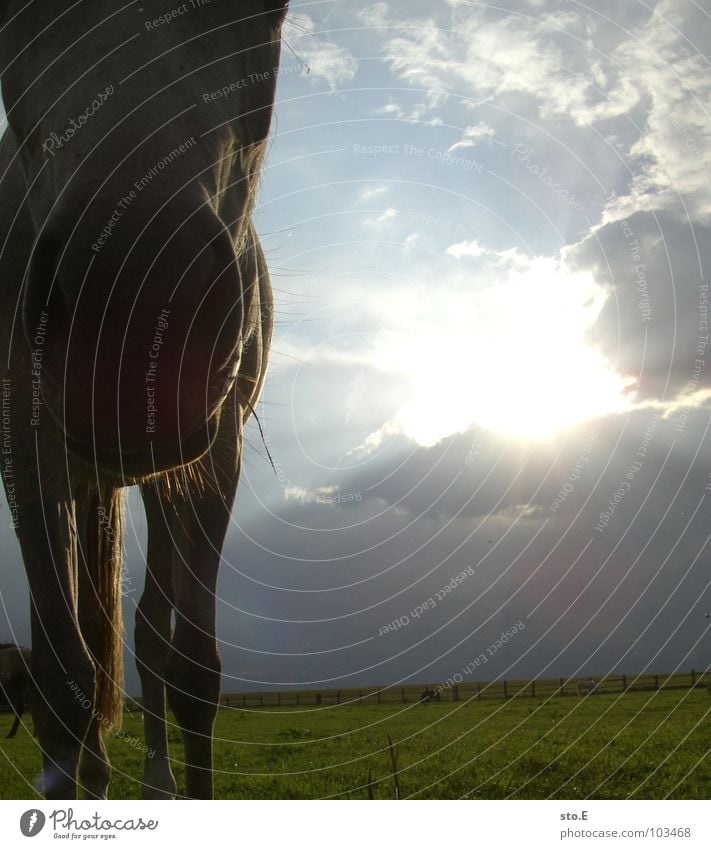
(488, 399)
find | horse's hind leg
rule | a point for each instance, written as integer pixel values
(153, 633)
(193, 673)
(15, 725)
(18, 708)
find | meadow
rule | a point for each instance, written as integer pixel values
(640, 745)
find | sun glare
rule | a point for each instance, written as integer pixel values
(511, 356)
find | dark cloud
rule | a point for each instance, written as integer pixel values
(655, 321)
(604, 575)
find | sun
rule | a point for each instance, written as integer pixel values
(513, 356)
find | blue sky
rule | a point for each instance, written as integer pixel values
(487, 229)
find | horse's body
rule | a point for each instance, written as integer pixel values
(135, 319)
(14, 680)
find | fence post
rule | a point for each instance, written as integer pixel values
(656, 682)
(360, 695)
(338, 697)
(693, 678)
(402, 694)
(297, 699)
(506, 690)
(624, 683)
(278, 699)
(318, 698)
(378, 696)
(244, 701)
(533, 689)
(478, 690)
(455, 694)
(562, 687)
(261, 701)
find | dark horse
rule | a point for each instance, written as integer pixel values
(14, 680)
(429, 694)
(135, 320)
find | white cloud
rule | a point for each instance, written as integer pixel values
(472, 136)
(517, 55)
(374, 441)
(414, 240)
(325, 60)
(509, 260)
(671, 156)
(460, 249)
(422, 57)
(374, 15)
(371, 192)
(304, 495)
(385, 216)
(414, 115)
(582, 69)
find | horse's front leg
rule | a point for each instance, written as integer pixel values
(62, 669)
(153, 634)
(193, 672)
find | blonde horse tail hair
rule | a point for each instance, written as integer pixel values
(100, 614)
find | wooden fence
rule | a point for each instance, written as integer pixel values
(461, 691)
(453, 691)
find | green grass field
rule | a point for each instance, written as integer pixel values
(638, 745)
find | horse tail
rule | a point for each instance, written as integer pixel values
(100, 614)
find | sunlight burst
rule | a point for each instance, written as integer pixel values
(512, 356)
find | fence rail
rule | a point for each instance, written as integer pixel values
(470, 691)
